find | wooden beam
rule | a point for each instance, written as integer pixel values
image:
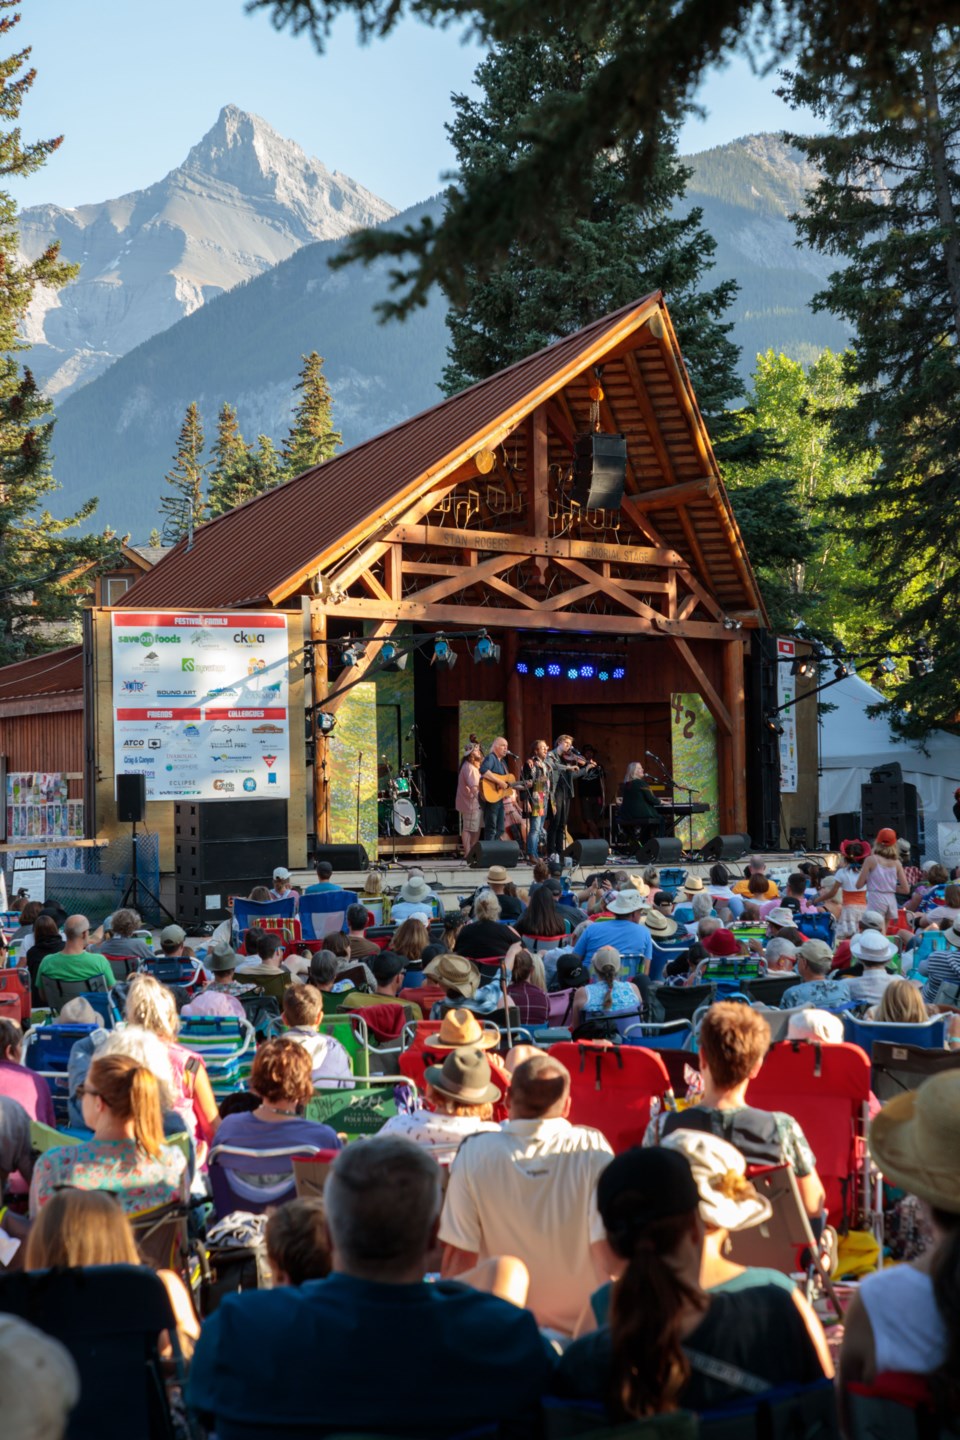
(717, 708)
(568, 597)
(468, 575)
(693, 544)
(491, 617)
(687, 607)
(436, 536)
(372, 584)
(66, 700)
(428, 567)
(611, 589)
(538, 472)
(631, 508)
(392, 572)
(667, 497)
(365, 662)
(512, 593)
(708, 601)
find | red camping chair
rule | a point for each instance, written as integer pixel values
(611, 1087)
(414, 1060)
(826, 1088)
(15, 980)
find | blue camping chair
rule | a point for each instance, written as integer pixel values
(248, 912)
(931, 1035)
(672, 878)
(46, 1051)
(661, 957)
(326, 913)
(930, 940)
(817, 927)
(671, 1035)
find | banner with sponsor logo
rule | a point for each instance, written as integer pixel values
(200, 703)
(786, 697)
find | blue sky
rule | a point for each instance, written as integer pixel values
(132, 84)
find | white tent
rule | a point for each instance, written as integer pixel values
(852, 744)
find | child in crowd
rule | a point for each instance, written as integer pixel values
(297, 1244)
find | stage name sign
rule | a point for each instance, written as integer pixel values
(200, 703)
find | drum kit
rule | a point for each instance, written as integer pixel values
(399, 799)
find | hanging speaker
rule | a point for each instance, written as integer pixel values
(726, 847)
(599, 471)
(661, 850)
(588, 852)
(131, 797)
(494, 852)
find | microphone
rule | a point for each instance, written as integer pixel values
(410, 732)
(650, 753)
(513, 754)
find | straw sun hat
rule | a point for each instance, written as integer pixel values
(915, 1140)
(460, 1028)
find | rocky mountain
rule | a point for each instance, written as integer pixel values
(747, 190)
(244, 199)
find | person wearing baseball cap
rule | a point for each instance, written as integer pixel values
(282, 888)
(626, 931)
(667, 1333)
(905, 1317)
(816, 990)
(388, 971)
(172, 939)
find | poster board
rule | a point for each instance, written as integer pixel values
(38, 807)
(786, 696)
(30, 874)
(693, 750)
(200, 703)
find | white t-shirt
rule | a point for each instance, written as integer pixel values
(440, 1134)
(868, 988)
(908, 1329)
(331, 1063)
(529, 1190)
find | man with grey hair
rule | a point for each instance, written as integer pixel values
(756, 866)
(816, 990)
(487, 1361)
(707, 925)
(122, 942)
(779, 954)
(492, 770)
(75, 962)
(528, 1189)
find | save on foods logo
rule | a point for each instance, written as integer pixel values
(146, 638)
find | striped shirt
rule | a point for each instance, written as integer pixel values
(941, 965)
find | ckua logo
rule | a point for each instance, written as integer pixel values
(249, 637)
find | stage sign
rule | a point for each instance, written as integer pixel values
(787, 696)
(200, 703)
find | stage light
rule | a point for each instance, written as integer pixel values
(587, 672)
(603, 674)
(888, 666)
(573, 673)
(352, 652)
(391, 657)
(773, 724)
(523, 668)
(807, 666)
(325, 722)
(443, 652)
(539, 672)
(619, 673)
(553, 670)
(485, 650)
(842, 669)
(730, 624)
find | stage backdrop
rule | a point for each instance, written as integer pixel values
(694, 757)
(355, 738)
(483, 718)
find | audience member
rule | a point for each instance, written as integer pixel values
(302, 1014)
(39, 1382)
(373, 891)
(19, 1083)
(816, 989)
(452, 925)
(325, 881)
(222, 995)
(733, 1042)
(463, 986)
(881, 875)
(268, 961)
(943, 966)
(358, 917)
(152, 1005)
(382, 1201)
(410, 939)
(282, 1079)
(126, 1156)
(498, 880)
(667, 1334)
(173, 943)
(756, 866)
(388, 972)
(781, 925)
(816, 1025)
(607, 995)
(527, 1190)
(122, 941)
(298, 1248)
(900, 1004)
(780, 955)
(866, 920)
(29, 914)
(282, 888)
(625, 931)
(461, 1095)
(415, 895)
(47, 940)
(663, 905)
(528, 989)
(874, 951)
(570, 973)
(486, 937)
(74, 961)
(542, 916)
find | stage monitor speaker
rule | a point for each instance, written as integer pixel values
(599, 471)
(888, 774)
(342, 857)
(131, 797)
(494, 852)
(661, 850)
(588, 852)
(726, 847)
(845, 826)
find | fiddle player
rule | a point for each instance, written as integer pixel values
(564, 764)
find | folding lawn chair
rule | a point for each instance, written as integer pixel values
(251, 912)
(928, 1035)
(678, 1002)
(326, 913)
(363, 1110)
(612, 1086)
(15, 981)
(897, 1068)
(660, 958)
(779, 1241)
(350, 1028)
(769, 989)
(253, 1180)
(46, 1051)
(226, 1046)
(58, 992)
(671, 1035)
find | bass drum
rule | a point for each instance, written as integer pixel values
(404, 817)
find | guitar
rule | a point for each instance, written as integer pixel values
(491, 792)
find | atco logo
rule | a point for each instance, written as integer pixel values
(226, 785)
(132, 744)
(269, 761)
(249, 784)
(249, 637)
(134, 687)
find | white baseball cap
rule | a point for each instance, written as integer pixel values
(281, 873)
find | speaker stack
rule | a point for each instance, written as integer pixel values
(224, 848)
(494, 852)
(891, 802)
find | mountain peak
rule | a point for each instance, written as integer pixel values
(240, 145)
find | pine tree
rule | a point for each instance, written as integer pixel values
(231, 464)
(156, 540)
(888, 208)
(312, 438)
(608, 250)
(266, 466)
(185, 508)
(37, 553)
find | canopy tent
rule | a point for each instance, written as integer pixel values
(852, 743)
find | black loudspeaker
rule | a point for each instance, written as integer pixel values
(342, 857)
(131, 797)
(494, 852)
(661, 850)
(199, 902)
(890, 804)
(763, 745)
(889, 774)
(228, 859)
(599, 471)
(845, 826)
(726, 847)
(588, 852)
(230, 820)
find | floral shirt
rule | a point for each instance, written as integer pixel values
(138, 1181)
(820, 994)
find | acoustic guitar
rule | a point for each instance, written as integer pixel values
(491, 792)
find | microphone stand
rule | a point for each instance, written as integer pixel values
(677, 785)
(359, 763)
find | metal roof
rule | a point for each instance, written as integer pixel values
(49, 674)
(265, 549)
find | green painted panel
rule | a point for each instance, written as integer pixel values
(483, 718)
(395, 715)
(355, 736)
(694, 752)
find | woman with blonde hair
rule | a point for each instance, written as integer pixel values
(607, 994)
(152, 1006)
(88, 1227)
(901, 1004)
(127, 1156)
(373, 890)
(410, 939)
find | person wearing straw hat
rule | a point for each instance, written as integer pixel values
(626, 931)
(460, 1094)
(415, 894)
(464, 986)
(905, 1318)
(874, 952)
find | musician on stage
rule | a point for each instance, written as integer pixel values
(468, 796)
(639, 807)
(564, 765)
(592, 797)
(493, 768)
(536, 777)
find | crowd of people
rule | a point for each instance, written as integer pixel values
(532, 1264)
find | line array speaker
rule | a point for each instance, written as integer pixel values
(661, 850)
(494, 852)
(588, 852)
(726, 847)
(599, 471)
(230, 820)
